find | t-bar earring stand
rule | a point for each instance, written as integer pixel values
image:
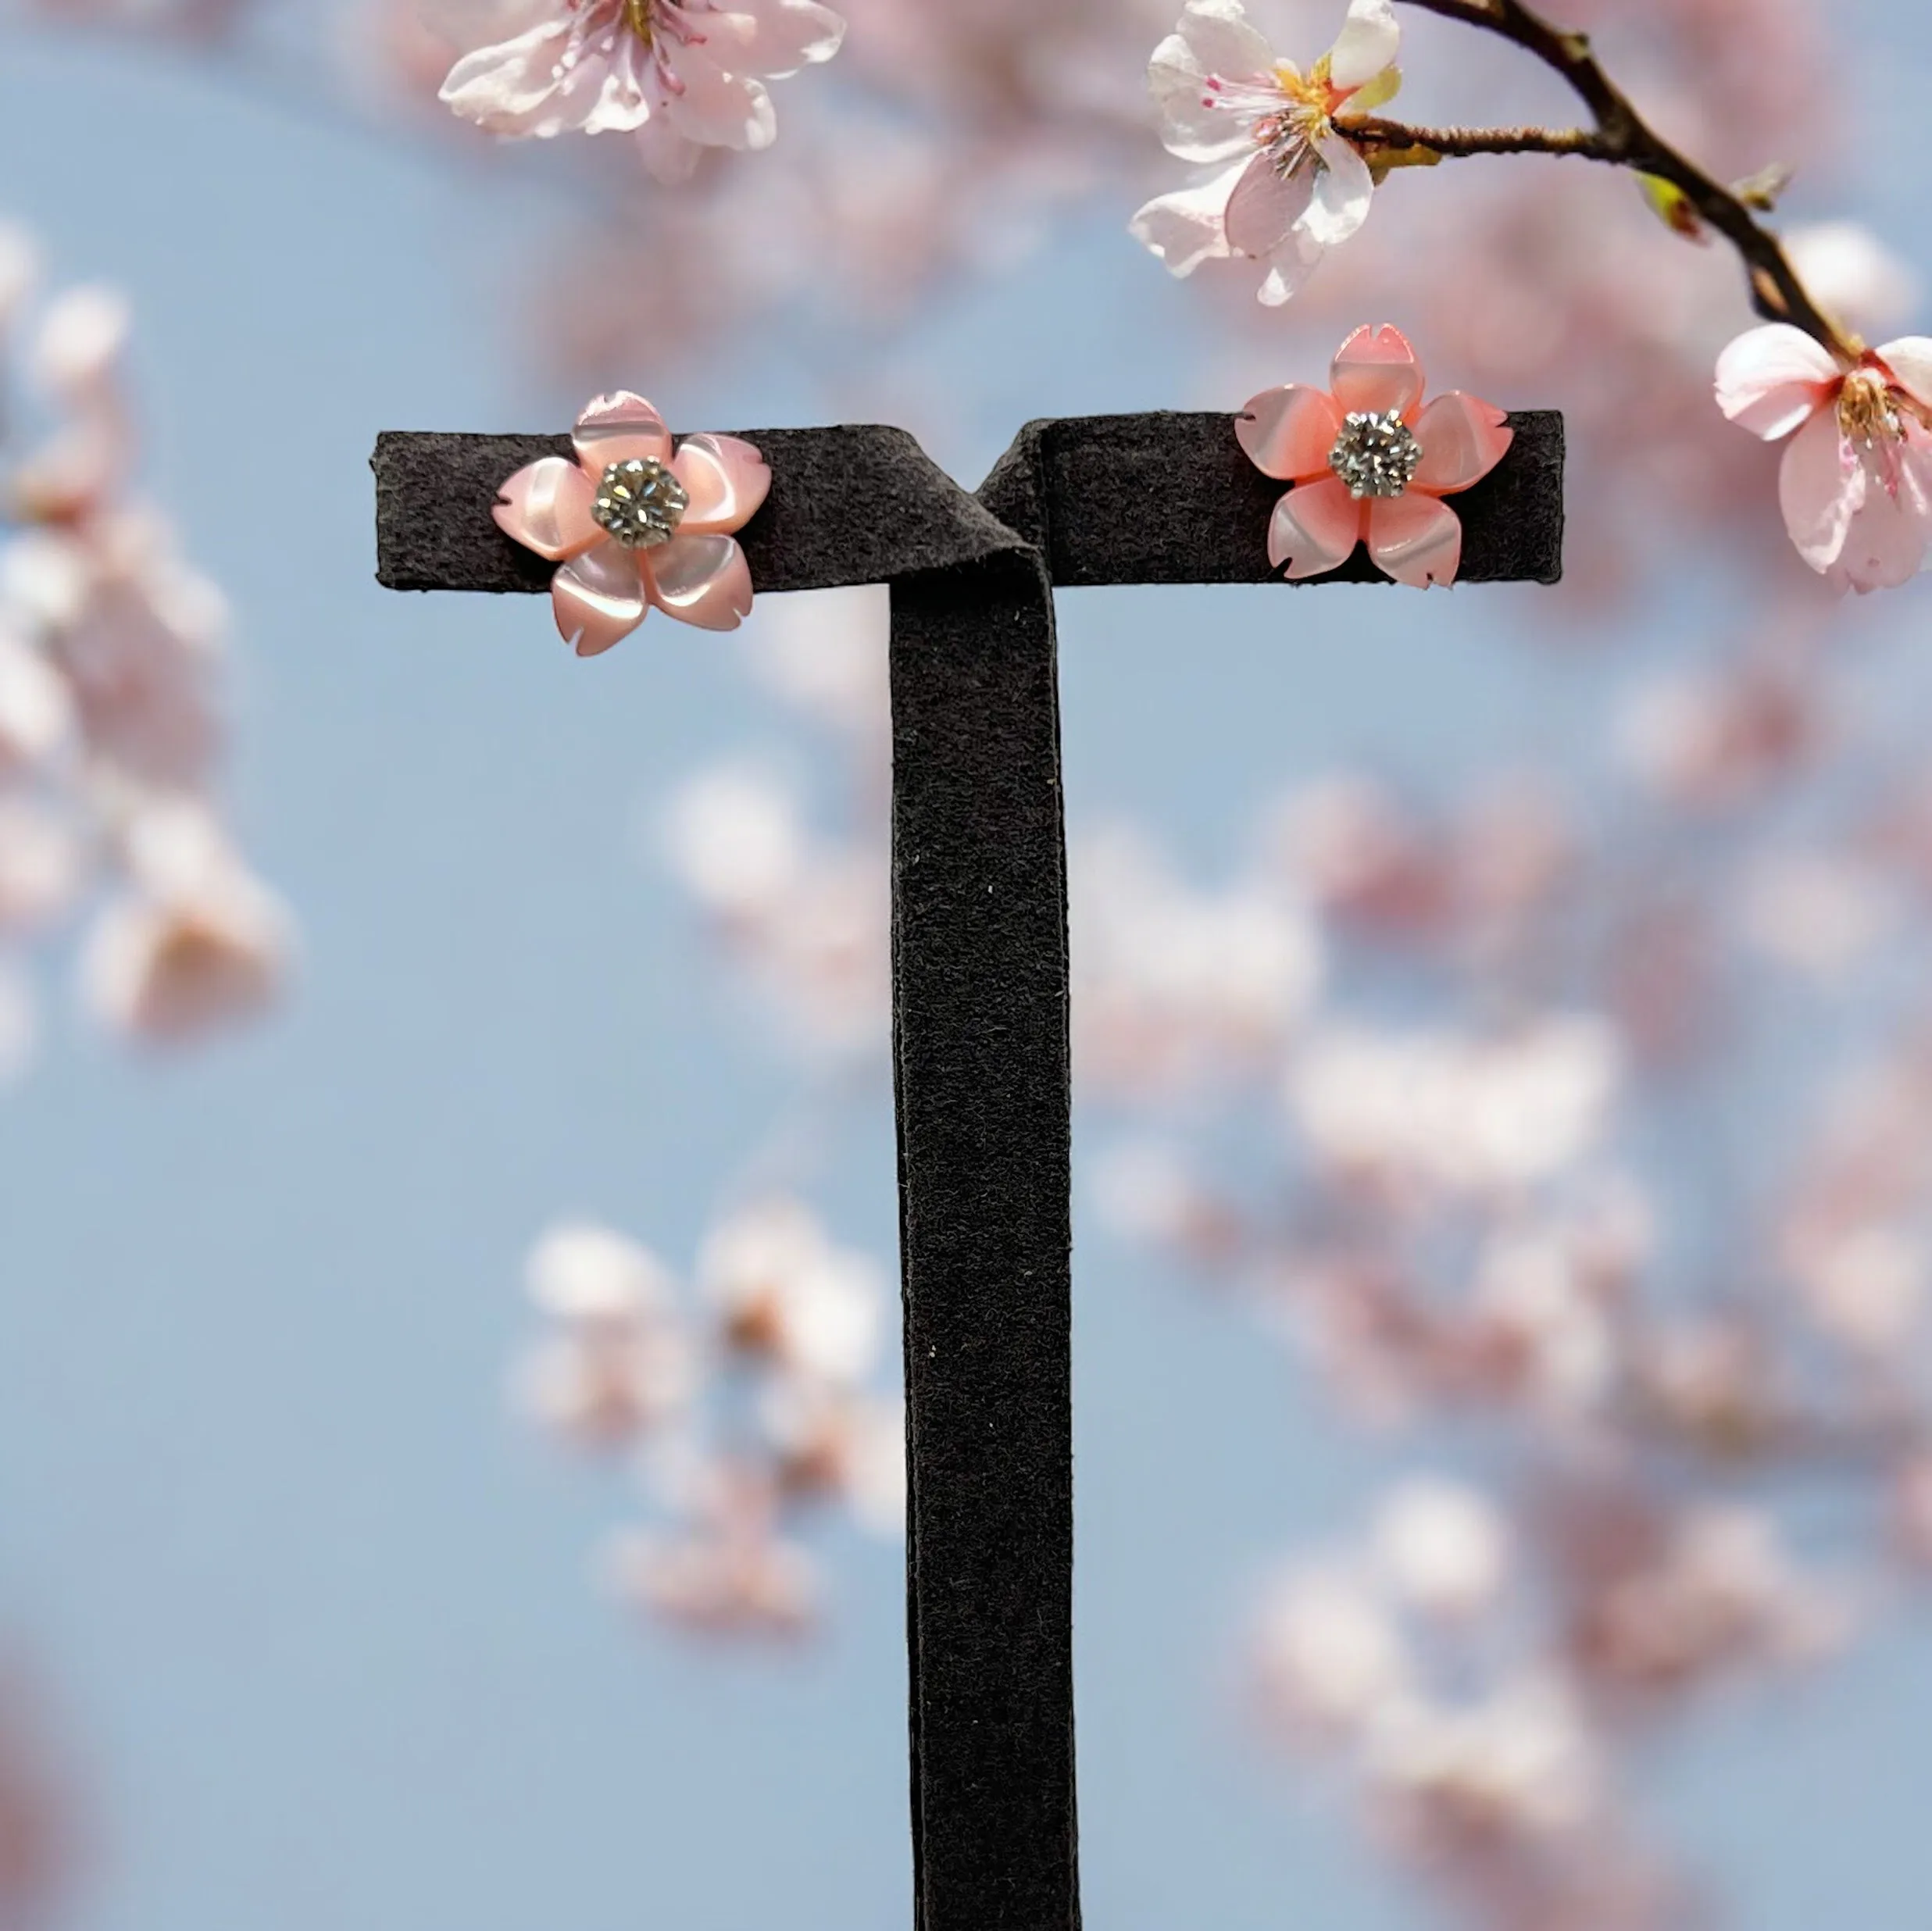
(980, 996)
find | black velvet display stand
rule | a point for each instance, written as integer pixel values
(981, 1001)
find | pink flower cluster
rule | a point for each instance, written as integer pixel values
(1484, 1679)
(109, 662)
(743, 1411)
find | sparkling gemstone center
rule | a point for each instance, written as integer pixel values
(640, 503)
(1376, 454)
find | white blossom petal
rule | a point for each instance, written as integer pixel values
(1218, 38)
(1370, 43)
(1343, 193)
(1189, 227)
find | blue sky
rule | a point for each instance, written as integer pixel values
(314, 1611)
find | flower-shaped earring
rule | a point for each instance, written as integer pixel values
(1370, 464)
(630, 524)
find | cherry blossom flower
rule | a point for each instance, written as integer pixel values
(197, 942)
(1329, 1657)
(621, 1364)
(809, 914)
(727, 1571)
(1438, 1111)
(633, 525)
(1856, 485)
(1442, 1546)
(1177, 984)
(1371, 464)
(680, 75)
(784, 1289)
(1523, 1764)
(1286, 183)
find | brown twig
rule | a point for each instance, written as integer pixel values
(1620, 137)
(1376, 136)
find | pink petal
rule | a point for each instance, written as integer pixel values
(718, 109)
(1909, 360)
(775, 39)
(1266, 204)
(1376, 370)
(1772, 380)
(1416, 539)
(727, 480)
(1462, 439)
(1290, 433)
(1885, 547)
(620, 428)
(701, 580)
(546, 507)
(670, 158)
(1821, 487)
(598, 598)
(1316, 526)
(522, 86)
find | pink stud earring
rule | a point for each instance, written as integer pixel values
(1371, 464)
(633, 524)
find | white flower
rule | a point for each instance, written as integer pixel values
(1461, 1115)
(1286, 183)
(197, 941)
(593, 1280)
(785, 1291)
(1442, 1547)
(680, 74)
(1332, 1660)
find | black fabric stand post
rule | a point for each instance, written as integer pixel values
(981, 996)
(985, 1122)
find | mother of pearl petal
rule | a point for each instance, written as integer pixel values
(1462, 439)
(727, 480)
(598, 598)
(1315, 528)
(621, 427)
(1288, 432)
(700, 580)
(1415, 539)
(1376, 371)
(546, 507)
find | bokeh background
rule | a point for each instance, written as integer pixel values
(308, 1611)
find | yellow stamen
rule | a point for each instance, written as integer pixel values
(637, 17)
(1314, 95)
(1868, 413)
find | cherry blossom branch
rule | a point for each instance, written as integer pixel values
(1620, 137)
(1377, 136)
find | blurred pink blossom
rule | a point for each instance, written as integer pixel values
(745, 1409)
(109, 732)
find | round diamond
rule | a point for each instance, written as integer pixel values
(1376, 454)
(640, 503)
